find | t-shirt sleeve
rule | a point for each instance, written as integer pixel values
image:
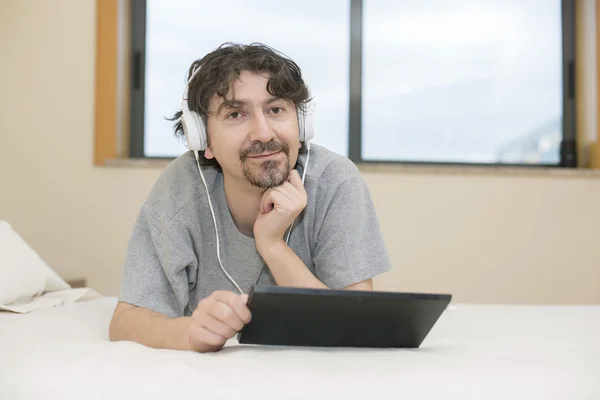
(349, 244)
(155, 271)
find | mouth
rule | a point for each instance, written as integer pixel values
(263, 156)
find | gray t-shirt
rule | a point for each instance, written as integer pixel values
(171, 262)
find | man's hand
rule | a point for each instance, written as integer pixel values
(279, 207)
(216, 319)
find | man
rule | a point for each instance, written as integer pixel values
(215, 225)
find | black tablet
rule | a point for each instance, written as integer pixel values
(340, 318)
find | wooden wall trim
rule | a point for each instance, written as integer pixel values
(598, 70)
(595, 146)
(105, 124)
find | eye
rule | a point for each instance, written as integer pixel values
(277, 110)
(234, 115)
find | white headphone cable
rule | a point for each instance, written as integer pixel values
(215, 222)
(212, 212)
(303, 177)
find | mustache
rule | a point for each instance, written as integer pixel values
(257, 148)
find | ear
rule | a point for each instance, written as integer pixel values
(208, 154)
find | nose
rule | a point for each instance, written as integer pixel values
(260, 130)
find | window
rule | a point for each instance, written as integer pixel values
(468, 81)
(177, 35)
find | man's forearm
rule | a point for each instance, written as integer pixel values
(149, 328)
(287, 268)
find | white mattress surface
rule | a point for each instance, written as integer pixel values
(473, 352)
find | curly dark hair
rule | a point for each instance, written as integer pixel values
(222, 66)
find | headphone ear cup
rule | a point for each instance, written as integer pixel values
(301, 124)
(202, 139)
(309, 127)
(194, 130)
(306, 123)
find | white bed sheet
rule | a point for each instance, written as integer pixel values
(473, 352)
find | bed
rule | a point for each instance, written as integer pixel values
(473, 352)
(54, 345)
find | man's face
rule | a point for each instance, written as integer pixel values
(254, 137)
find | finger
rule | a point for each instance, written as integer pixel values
(279, 201)
(266, 203)
(296, 195)
(288, 190)
(224, 296)
(199, 335)
(203, 335)
(236, 302)
(295, 180)
(240, 306)
(223, 312)
(287, 199)
(215, 326)
(271, 199)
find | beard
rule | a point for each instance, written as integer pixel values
(268, 173)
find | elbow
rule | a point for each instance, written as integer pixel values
(116, 331)
(113, 330)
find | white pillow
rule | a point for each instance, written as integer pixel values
(23, 274)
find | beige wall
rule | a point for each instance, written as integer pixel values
(485, 237)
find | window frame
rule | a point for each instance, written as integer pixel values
(568, 149)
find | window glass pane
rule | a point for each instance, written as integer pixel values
(462, 81)
(317, 41)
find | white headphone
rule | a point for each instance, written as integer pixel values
(194, 129)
